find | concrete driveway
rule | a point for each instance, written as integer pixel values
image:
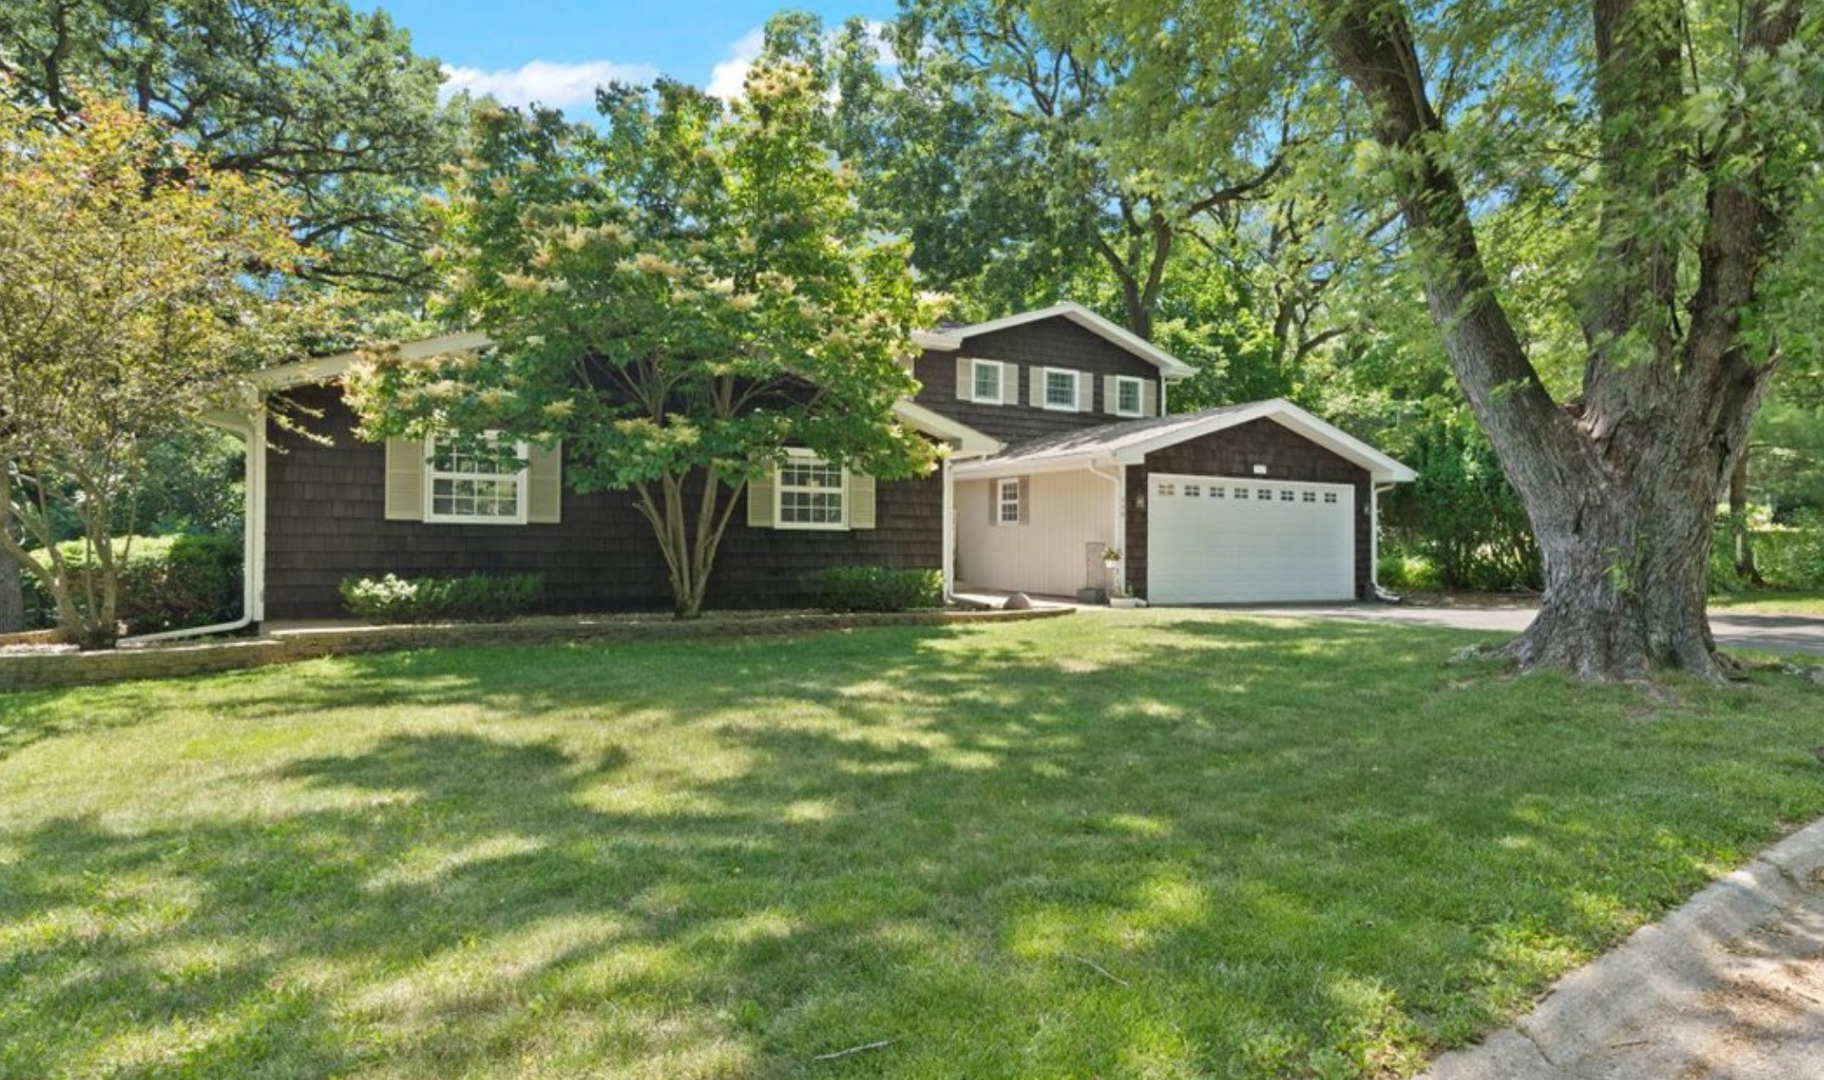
(1763, 633)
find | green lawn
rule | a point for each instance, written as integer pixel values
(1771, 602)
(1148, 844)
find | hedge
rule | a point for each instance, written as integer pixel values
(874, 588)
(166, 582)
(470, 598)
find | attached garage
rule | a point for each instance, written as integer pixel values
(1257, 503)
(1239, 540)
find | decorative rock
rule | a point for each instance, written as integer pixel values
(1019, 601)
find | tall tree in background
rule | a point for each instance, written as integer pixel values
(1685, 142)
(327, 103)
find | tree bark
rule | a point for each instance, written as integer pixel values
(1741, 535)
(12, 596)
(1620, 488)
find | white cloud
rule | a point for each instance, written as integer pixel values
(728, 77)
(541, 81)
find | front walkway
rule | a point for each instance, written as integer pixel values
(1729, 985)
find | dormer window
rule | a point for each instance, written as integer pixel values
(1061, 389)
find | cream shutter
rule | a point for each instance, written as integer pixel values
(1111, 394)
(1149, 398)
(1086, 392)
(405, 479)
(861, 501)
(760, 503)
(1025, 501)
(1035, 386)
(545, 485)
(965, 379)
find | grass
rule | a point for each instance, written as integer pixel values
(1147, 844)
(1771, 602)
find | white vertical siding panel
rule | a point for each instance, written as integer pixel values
(1068, 511)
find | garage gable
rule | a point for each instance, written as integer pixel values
(1267, 544)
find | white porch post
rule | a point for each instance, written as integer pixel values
(949, 531)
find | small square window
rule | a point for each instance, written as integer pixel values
(1060, 389)
(1129, 396)
(988, 381)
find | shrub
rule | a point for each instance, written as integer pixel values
(874, 588)
(1792, 558)
(166, 582)
(470, 598)
(1397, 571)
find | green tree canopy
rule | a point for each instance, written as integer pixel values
(678, 297)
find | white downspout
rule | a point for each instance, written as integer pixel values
(1374, 540)
(1118, 520)
(252, 431)
(949, 532)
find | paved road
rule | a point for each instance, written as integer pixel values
(1765, 633)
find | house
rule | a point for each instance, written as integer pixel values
(1060, 445)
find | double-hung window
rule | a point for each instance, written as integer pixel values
(1007, 502)
(474, 487)
(1129, 396)
(812, 493)
(990, 378)
(1060, 389)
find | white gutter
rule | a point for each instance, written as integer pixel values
(251, 428)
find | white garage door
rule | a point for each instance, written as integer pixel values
(1226, 540)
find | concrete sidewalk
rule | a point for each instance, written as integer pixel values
(1731, 985)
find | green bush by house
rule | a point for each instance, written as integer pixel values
(470, 598)
(874, 588)
(166, 582)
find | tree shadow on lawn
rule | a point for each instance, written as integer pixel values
(1177, 846)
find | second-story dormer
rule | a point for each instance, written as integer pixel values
(1042, 373)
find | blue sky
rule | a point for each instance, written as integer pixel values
(556, 51)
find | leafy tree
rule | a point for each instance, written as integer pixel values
(678, 297)
(1683, 147)
(126, 309)
(325, 102)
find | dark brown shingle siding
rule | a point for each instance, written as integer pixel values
(325, 521)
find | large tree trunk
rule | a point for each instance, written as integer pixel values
(1621, 486)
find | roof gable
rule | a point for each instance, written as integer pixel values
(952, 339)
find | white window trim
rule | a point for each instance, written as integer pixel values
(1002, 502)
(1076, 391)
(1000, 382)
(1139, 385)
(842, 491)
(522, 486)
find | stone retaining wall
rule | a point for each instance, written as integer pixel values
(28, 671)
